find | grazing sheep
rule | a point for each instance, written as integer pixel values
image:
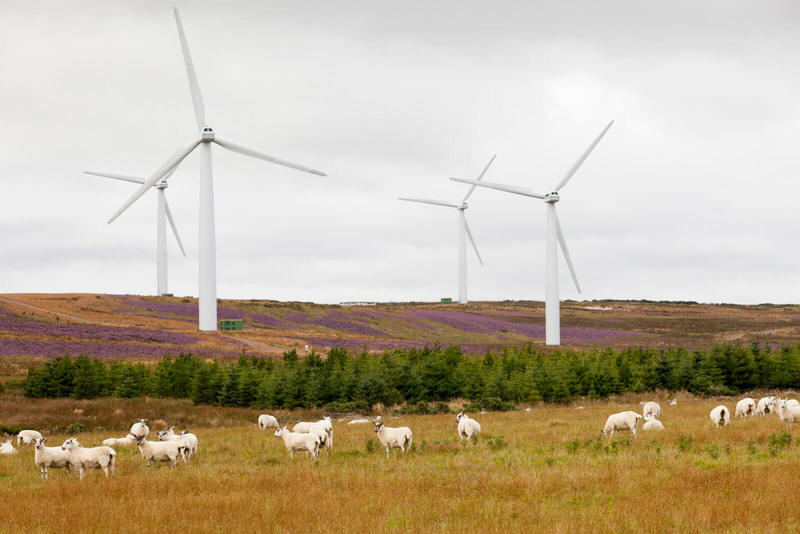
(358, 421)
(792, 403)
(325, 423)
(7, 448)
(651, 423)
(83, 458)
(621, 421)
(266, 420)
(140, 429)
(396, 438)
(299, 441)
(673, 402)
(745, 407)
(765, 405)
(651, 408)
(467, 427)
(788, 414)
(27, 437)
(160, 450)
(127, 441)
(47, 457)
(720, 416)
(189, 441)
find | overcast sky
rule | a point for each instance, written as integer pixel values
(692, 195)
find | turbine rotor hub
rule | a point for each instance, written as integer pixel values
(161, 184)
(207, 135)
(463, 206)
(552, 198)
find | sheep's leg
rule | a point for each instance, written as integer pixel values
(387, 451)
(81, 472)
(44, 472)
(291, 454)
(105, 470)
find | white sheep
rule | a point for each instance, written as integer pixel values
(358, 421)
(299, 441)
(621, 421)
(140, 428)
(188, 439)
(651, 408)
(788, 414)
(27, 437)
(7, 448)
(792, 403)
(160, 450)
(83, 458)
(396, 438)
(325, 423)
(720, 415)
(673, 402)
(127, 441)
(765, 405)
(651, 423)
(467, 427)
(266, 420)
(745, 407)
(47, 457)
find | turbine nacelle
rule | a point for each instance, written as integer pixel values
(463, 206)
(162, 184)
(552, 198)
(207, 135)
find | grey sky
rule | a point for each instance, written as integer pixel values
(691, 195)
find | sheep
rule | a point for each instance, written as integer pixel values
(47, 457)
(397, 438)
(27, 437)
(467, 427)
(788, 414)
(792, 403)
(127, 441)
(140, 428)
(673, 402)
(651, 423)
(621, 421)
(189, 441)
(7, 448)
(266, 420)
(765, 405)
(720, 415)
(651, 408)
(325, 423)
(745, 407)
(160, 450)
(298, 441)
(83, 458)
(358, 421)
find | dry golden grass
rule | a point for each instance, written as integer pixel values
(540, 481)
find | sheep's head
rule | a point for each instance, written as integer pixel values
(459, 416)
(280, 431)
(40, 442)
(139, 440)
(378, 426)
(71, 443)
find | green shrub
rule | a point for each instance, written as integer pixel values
(685, 443)
(76, 428)
(779, 441)
(496, 443)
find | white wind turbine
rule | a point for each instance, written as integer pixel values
(552, 232)
(207, 245)
(163, 215)
(463, 229)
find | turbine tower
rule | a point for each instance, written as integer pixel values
(163, 214)
(552, 233)
(207, 245)
(463, 230)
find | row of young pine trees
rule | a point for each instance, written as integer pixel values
(417, 376)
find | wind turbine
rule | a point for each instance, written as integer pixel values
(163, 214)
(207, 247)
(463, 228)
(552, 233)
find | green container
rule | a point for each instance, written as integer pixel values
(231, 324)
(447, 300)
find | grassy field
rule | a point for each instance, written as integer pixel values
(540, 471)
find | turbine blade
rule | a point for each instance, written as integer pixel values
(172, 224)
(472, 240)
(260, 155)
(168, 165)
(501, 187)
(471, 189)
(123, 177)
(194, 87)
(583, 157)
(563, 243)
(426, 201)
